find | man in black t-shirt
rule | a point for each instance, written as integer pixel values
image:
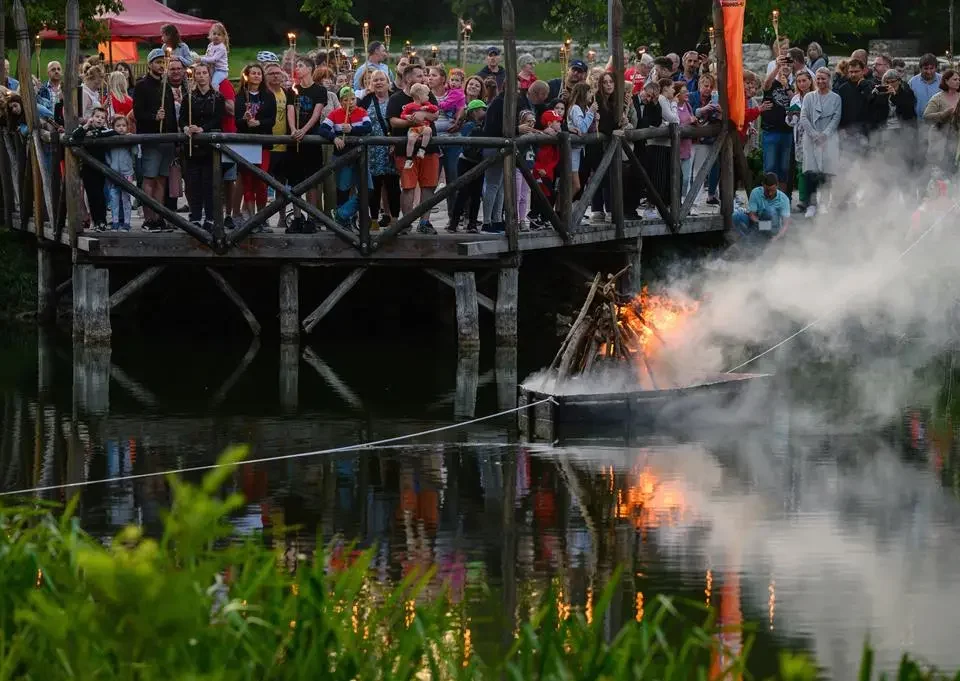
(425, 172)
(304, 115)
(777, 134)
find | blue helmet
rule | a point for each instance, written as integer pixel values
(267, 57)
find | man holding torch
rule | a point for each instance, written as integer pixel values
(204, 112)
(152, 104)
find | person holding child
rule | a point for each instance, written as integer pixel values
(417, 132)
(217, 54)
(545, 167)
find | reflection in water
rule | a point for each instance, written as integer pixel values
(819, 536)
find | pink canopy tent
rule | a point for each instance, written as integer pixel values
(142, 20)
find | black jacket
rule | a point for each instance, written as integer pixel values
(266, 114)
(208, 112)
(904, 101)
(855, 101)
(147, 101)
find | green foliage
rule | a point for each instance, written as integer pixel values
(50, 14)
(677, 25)
(819, 20)
(158, 609)
(330, 12)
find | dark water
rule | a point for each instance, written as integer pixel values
(817, 527)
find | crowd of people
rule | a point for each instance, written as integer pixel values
(802, 117)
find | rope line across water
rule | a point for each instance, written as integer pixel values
(268, 459)
(834, 307)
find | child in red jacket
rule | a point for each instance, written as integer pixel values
(417, 133)
(545, 167)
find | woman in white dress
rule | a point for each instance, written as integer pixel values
(819, 119)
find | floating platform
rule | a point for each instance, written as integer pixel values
(621, 415)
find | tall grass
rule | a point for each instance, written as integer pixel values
(192, 605)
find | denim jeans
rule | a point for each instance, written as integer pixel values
(493, 195)
(776, 153)
(120, 204)
(348, 201)
(686, 167)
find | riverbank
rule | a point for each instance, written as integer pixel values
(18, 276)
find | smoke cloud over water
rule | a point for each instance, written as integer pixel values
(847, 271)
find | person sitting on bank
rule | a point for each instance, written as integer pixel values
(767, 215)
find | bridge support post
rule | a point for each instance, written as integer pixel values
(633, 281)
(468, 311)
(505, 314)
(46, 285)
(468, 381)
(290, 375)
(91, 378)
(289, 303)
(91, 304)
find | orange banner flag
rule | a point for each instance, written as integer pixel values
(733, 11)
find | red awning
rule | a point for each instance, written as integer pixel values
(142, 20)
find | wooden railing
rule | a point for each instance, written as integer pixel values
(29, 194)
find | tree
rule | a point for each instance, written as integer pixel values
(678, 25)
(50, 14)
(329, 12)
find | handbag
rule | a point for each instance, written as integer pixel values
(175, 180)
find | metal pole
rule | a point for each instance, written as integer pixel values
(951, 31)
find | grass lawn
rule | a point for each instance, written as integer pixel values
(241, 56)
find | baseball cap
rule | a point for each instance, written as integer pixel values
(267, 57)
(476, 104)
(578, 65)
(493, 49)
(155, 53)
(550, 116)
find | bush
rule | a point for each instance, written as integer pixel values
(191, 605)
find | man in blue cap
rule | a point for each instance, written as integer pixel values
(492, 69)
(576, 73)
(153, 108)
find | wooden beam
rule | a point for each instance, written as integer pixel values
(363, 198)
(331, 301)
(701, 176)
(330, 377)
(219, 189)
(134, 285)
(289, 302)
(594, 184)
(197, 233)
(484, 301)
(139, 391)
(505, 317)
(508, 24)
(71, 70)
(543, 203)
(407, 220)
(286, 195)
(64, 287)
(468, 316)
(241, 369)
(293, 197)
(235, 298)
(616, 166)
(29, 98)
(647, 182)
(676, 176)
(565, 188)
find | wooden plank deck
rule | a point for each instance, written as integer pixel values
(325, 247)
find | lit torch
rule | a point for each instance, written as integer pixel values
(163, 82)
(292, 47)
(190, 108)
(36, 45)
(712, 35)
(386, 38)
(366, 37)
(434, 52)
(296, 112)
(775, 19)
(466, 28)
(327, 37)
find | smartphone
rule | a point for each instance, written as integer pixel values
(715, 97)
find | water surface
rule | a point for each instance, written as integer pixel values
(816, 528)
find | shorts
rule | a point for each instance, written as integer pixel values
(425, 172)
(157, 159)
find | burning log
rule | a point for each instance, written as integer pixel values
(615, 329)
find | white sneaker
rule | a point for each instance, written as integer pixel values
(811, 212)
(597, 217)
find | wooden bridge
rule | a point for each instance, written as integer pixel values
(39, 200)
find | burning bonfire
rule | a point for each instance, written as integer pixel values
(613, 329)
